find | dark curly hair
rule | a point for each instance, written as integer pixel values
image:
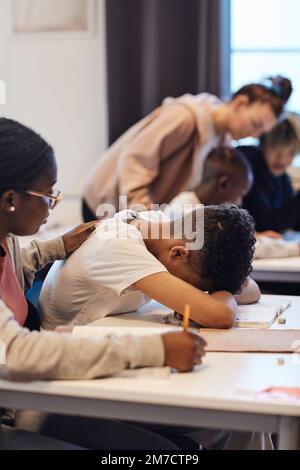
(24, 155)
(226, 256)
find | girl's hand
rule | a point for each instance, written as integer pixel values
(75, 237)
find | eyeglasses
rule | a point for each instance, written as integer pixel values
(53, 199)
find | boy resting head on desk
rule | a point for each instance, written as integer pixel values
(137, 256)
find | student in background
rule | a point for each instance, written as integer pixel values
(228, 177)
(137, 256)
(27, 175)
(162, 155)
(272, 201)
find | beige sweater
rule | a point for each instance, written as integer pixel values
(154, 160)
(38, 355)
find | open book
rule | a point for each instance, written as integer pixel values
(260, 315)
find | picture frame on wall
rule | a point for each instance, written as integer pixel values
(49, 17)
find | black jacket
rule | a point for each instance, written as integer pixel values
(271, 201)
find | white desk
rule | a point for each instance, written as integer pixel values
(218, 394)
(153, 313)
(277, 270)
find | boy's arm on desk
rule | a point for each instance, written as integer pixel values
(213, 311)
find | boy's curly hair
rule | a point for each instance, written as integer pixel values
(226, 257)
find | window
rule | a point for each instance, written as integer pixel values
(265, 40)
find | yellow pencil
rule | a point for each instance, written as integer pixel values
(186, 317)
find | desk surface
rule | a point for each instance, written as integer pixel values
(223, 382)
(221, 393)
(277, 269)
(153, 313)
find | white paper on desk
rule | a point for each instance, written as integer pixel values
(262, 314)
(249, 316)
(282, 304)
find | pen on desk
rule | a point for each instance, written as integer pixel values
(186, 317)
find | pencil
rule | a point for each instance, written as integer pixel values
(186, 317)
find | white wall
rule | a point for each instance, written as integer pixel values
(57, 85)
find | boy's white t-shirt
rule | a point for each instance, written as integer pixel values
(96, 280)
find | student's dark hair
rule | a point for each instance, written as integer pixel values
(226, 256)
(226, 160)
(285, 133)
(24, 155)
(274, 90)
